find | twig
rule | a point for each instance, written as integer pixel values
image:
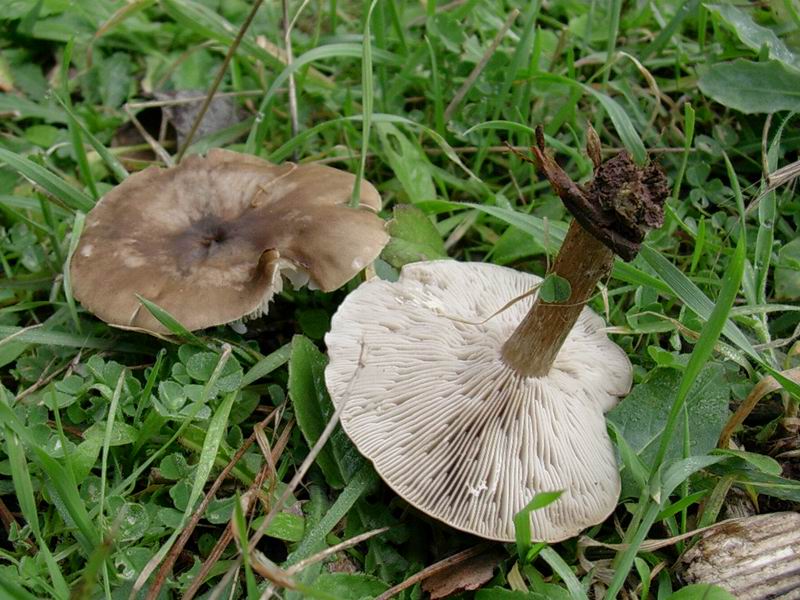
(783, 175)
(192, 100)
(22, 331)
(263, 444)
(438, 567)
(763, 388)
(71, 429)
(309, 460)
(304, 467)
(506, 149)
(157, 148)
(222, 543)
(169, 560)
(177, 62)
(298, 476)
(218, 79)
(270, 571)
(42, 381)
(439, 10)
(227, 535)
(334, 549)
(465, 87)
(780, 342)
(655, 544)
(777, 178)
(287, 42)
(218, 591)
(7, 517)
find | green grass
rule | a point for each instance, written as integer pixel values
(109, 440)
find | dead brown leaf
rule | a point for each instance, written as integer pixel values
(762, 388)
(465, 576)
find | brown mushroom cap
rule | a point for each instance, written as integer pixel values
(207, 240)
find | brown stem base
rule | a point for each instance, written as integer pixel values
(535, 343)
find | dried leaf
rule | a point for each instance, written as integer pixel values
(763, 388)
(221, 113)
(466, 576)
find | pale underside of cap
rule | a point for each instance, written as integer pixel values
(450, 427)
(208, 240)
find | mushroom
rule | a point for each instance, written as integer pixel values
(468, 417)
(210, 239)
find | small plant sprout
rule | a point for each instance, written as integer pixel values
(210, 240)
(469, 420)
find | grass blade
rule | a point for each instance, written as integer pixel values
(584, 165)
(286, 149)
(703, 350)
(624, 561)
(49, 337)
(622, 123)
(340, 50)
(167, 320)
(268, 364)
(214, 434)
(112, 414)
(364, 479)
(553, 234)
(74, 131)
(522, 520)
(240, 529)
(12, 591)
(688, 138)
(83, 588)
(59, 479)
(687, 292)
(112, 162)
(551, 557)
(208, 24)
(77, 228)
(23, 487)
(368, 91)
(48, 181)
(216, 430)
(667, 33)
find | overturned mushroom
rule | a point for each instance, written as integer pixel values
(209, 240)
(469, 419)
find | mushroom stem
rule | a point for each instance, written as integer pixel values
(583, 261)
(613, 213)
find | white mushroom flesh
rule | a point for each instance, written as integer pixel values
(289, 270)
